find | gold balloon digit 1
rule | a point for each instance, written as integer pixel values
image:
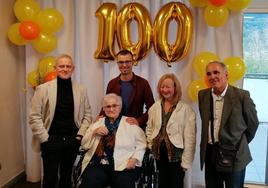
(106, 15)
(182, 15)
(137, 12)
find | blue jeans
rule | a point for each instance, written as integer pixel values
(215, 179)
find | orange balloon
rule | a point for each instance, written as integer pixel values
(29, 30)
(50, 76)
(218, 3)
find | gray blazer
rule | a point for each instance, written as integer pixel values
(239, 121)
(43, 106)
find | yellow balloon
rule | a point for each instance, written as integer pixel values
(33, 78)
(106, 15)
(137, 12)
(193, 89)
(45, 43)
(237, 5)
(50, 20)
(236, 68)
(199, 3)
(181, 14)
(26, 10)
(201, 60)
(14, 35)
(216, 16)
(46, 65)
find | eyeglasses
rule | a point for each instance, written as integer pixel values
(65, 66)
(111, 106)
(124, 62)
(213, 72)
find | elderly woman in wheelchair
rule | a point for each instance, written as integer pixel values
(115, 149)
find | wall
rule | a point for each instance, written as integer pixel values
(11, 99)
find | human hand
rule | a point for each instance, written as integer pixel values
(131, 164)
(132, 121)
(101, 131)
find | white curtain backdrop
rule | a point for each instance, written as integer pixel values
(79, 36)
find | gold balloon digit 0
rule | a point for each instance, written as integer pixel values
(106, 15)
(182, 15)
(129, 13)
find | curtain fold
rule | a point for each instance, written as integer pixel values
(79, 36)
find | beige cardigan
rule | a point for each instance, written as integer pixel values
(181, 129)
(130, 142)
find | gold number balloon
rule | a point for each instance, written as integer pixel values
(129, 13)
(182, 15)
(106, 14)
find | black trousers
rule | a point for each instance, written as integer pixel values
(101, 176)
(171, 174)
(58, 155)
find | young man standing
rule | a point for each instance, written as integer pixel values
(134, 90)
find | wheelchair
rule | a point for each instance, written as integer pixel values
(148, 177)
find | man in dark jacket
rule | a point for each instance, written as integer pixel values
(229, 118)
(134, 90)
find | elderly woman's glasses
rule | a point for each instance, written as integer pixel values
(111, 106)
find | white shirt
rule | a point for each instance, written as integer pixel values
(217, 114)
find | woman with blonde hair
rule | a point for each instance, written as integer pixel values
(171, 133)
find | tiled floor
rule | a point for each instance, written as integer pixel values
(258, 147)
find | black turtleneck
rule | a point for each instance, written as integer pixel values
(63, 121)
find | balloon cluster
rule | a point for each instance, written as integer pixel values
(44, 73)
(235, 66)
(216, 11)
(36, 26)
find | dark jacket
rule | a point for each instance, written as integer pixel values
(141, 95)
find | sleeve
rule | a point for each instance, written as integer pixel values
(87, 116)
(140, 142)
(149, 129)
(149, 101)
(189, 137)
(38, 103)
(250, 116)
(87, 141)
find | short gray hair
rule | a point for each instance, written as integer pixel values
(63, 56)
(223, 66)
(112, 96)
